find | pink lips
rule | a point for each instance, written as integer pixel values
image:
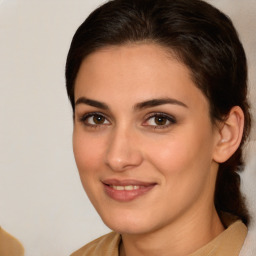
(126, 190)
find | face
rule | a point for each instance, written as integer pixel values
(143, 139)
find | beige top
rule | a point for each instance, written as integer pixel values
(9, 245)
(228, 243)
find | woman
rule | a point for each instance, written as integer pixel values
(158, 89)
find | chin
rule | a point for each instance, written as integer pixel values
(127, 224)
(126, 228)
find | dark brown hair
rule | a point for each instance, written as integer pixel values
(203, 38)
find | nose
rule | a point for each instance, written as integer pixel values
(123, 151)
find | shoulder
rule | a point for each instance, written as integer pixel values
(9, 245)
(229, 242)
(106, 245)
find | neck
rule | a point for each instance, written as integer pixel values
(182, 237)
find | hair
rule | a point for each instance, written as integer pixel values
(201, 37)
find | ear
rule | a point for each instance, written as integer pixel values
(229, 137)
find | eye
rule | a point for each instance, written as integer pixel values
(159, 120)
(94, 119)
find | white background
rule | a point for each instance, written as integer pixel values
(41, 199)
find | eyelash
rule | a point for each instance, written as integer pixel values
(170, 119)
(84, 119)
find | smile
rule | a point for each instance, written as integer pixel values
(127, 190)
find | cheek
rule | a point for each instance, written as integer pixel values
(88, 152)
(169, 154)
(186, 154)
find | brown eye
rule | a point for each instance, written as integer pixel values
(97, 119)
(94, 119)
(160, 120)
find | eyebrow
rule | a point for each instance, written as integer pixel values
(93, 103)
(138, 106)
(158, 102)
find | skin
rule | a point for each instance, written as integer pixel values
(179, 154)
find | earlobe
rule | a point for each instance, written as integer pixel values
(229, 135)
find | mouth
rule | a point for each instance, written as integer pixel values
(126, 190)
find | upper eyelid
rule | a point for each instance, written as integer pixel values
(153, 114)
(84, 119)
(83, 116)
(89, 114)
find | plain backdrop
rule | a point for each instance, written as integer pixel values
(41, 199)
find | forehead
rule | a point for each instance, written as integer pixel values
(136, 70)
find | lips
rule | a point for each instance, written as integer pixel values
(126, 190)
